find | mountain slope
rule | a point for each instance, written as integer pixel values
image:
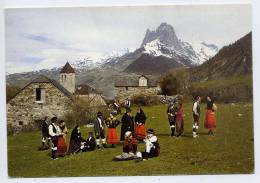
(147, 64)
(231, 60)
(227, 76)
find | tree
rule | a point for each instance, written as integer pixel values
(82, 112)
(175, 82)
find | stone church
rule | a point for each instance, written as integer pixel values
(46, 97)
(128, 88)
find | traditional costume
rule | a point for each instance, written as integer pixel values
(90, 143)
(140, 131)
(127, 104)
(99, 128)
(152, 147)
(76, 141)
(45, 136)
(129, 148)
(54, 132)
(116, 107)
(127, 124)
(61, 144)
(210, 119)
(179, 121)
(112, 123)
(172, 117)
(196, 117)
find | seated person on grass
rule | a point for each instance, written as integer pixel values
(89, 144)
(152, 147)
(129, 148)
(75, 141)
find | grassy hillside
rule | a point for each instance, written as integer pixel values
(233, 89)
(229, 151)
(232, 60)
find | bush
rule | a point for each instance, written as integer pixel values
(82, 113)
(175, 82)
(146, 100)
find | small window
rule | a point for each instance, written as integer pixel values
(21, 123)
(40, 95)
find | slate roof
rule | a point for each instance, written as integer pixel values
(134, 82)
(67, 69)
(84, 89)
(45, 79)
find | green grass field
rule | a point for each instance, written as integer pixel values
(230, 151)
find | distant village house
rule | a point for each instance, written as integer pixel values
(128, 88)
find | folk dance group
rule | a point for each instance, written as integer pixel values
(176, 120)
(133, 131)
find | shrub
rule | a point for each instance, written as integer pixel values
(175, 82)
(82, 113)
(146, 100)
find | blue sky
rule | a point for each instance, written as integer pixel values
(40, 38)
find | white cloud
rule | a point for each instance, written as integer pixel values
(58, 35)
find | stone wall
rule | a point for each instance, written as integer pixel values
(128, 92)
(23, 110)
(95, 100)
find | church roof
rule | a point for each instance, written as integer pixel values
(45, 79)
(67, 69)
(84, 89)
(134, 82)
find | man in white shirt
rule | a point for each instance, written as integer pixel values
(127, 104)
(152, 147)
(54, 132)
(196, 116)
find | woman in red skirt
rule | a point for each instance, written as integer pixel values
(210, 119)
(61, 145)
(179, 120)
(112, 123)
(140, 130)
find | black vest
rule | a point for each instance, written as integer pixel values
(54, 128)
(198, 107)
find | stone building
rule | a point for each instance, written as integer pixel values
(89, 94)
(128, 88)
(67, 78)
(46, 97)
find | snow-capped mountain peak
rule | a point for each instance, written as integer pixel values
(155, 48)
(164, 42)
(204, 51)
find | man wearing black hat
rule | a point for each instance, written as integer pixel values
(196, 116)
(171, 111)
(54, 132)
(99, 128)
(127, 124)
(152, 147)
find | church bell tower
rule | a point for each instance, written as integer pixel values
(67, 78)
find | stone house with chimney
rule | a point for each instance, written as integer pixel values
(46, 97)
(128, 88)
